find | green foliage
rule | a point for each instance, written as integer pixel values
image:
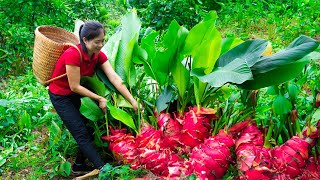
(19, 19)
(109, 172)
(277, 21)
(159, 13)
(24, 115)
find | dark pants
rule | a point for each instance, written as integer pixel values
(68, 109)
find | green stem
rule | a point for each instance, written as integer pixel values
(297, 126)
(107, 123)
(98, 132)
(268, 136)
(139, 115)
(291, 133)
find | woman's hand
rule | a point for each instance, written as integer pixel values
(135, 106)
(103, 104)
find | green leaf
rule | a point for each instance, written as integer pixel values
(25, 121)
(208, 50)
(90, 109)
(181, 77)
(139, 54)
(130, 24)
(293, 92)
(112, 46)
(166, 52)
(315, 117)
(249, 50)
(272, 90)
(282, 66)
(197, 34)
(275, 77)
(180, 74)
(128, 63)
(164, 99)
(281, 105)
(148, 43)
(229, 43)
(2, 160)
(105, 80)
(121, 116)
(65, 169)
(94, 84)
(299, 48)
(55, 133)
(204, 44)
(235, 72)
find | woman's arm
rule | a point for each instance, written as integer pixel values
(116, 80)
(73, 73)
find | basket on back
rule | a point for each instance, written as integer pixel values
(50, 43)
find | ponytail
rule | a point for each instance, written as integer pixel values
(81, 39)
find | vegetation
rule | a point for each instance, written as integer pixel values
(34, 144)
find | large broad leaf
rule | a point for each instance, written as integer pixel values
(180, 74)
(148, 44)
(299, 48)
(102, 76)
(181, 77)
(111, 47)
(90, 109)
(250, 51)
(197, 34)
(235, 72)
(94, 84)
(229, 43)
(164, 99)
(204, 44)
(128, 63)
(121, 116)
(165, 54)
(282, 66)
(130, 25)
(276, 76)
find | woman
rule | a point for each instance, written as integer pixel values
(65, 93)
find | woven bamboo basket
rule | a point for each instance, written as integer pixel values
(50, 43)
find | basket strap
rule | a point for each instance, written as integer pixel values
(65, 74)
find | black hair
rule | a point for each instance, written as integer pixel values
(90, 30)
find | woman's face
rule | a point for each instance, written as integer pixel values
(94, 45)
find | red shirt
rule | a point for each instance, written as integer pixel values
(72, 57)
